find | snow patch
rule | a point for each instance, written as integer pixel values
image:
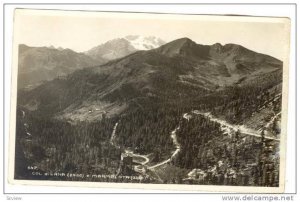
(144, 43)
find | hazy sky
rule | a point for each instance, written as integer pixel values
(81, 31)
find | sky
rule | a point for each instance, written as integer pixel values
(81, 31)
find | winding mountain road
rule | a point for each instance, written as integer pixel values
(137, 157)
(175, 153)
(228, 126)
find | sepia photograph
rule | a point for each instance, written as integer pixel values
(171, 101)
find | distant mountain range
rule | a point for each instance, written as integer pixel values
(38, 64)
(179, 69)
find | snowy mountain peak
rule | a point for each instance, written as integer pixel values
(144, 43)
(120, 47)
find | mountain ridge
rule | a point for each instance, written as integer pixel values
(180, 67)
